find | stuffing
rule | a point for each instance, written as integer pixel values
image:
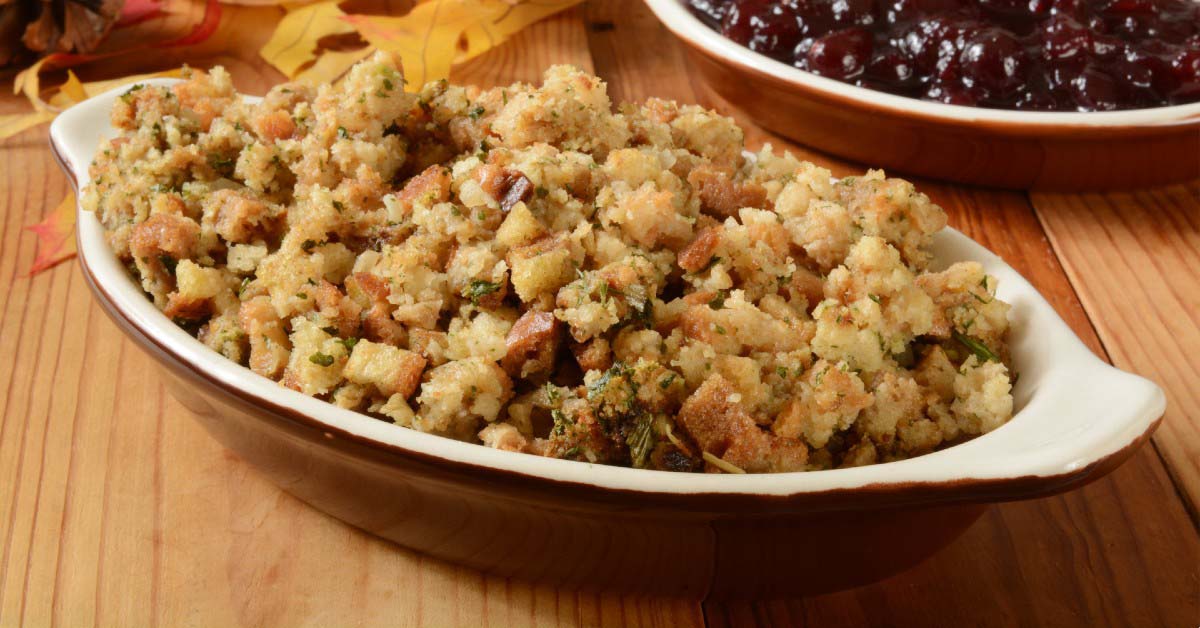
(526, 268)
(390, 370)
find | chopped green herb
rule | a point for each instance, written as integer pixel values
(308, 245)
(321, 359)
(387, 84)
(221, 163)
(666, 382)
(781, 371)
(541, 192)
(339, 206)
(976, 347)
(168, 263)
(479, 289)
(641, 441)
(718, 301)
(301, 295)
(875, 298)
(560, 422)
(476, 112)
(331, 330)
(128, 95)
(349, 343)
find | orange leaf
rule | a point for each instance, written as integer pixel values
(55, 236)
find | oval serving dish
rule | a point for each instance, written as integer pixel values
(610, 527)
(994, 147)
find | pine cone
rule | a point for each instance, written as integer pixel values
(30, 28)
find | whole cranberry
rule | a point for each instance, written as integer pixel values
(1186, 68)
(1122, 8)
(993, 64)
(1108, 46)
(1065, 42)
(906, 11)
(1070, 8)
(950, 94)
(891, 69)
(1153, 70)
(852, 12)
(763, 26)
(933, 42)
(1017, 6)
(842, 54)
(711, 12)
(1094, 90)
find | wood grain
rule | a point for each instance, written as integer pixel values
(999, 573)
(116, 509)
(1135, 261)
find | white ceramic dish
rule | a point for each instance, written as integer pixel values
(1078, 417)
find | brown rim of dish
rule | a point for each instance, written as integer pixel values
(996, 127)
(867, 497)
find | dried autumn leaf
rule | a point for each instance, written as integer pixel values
(28, 81)
(428, 37)
(11, 124)
(55, 236)
(332, 65)
(36, 27)
(487, 34)
(138, 11)
(294, 44)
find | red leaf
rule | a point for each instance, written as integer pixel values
(55, 236)
(202, 31)
(138, 11)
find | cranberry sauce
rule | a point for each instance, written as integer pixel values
(1043, 55)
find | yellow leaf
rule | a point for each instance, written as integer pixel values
(332, 65)
(55, 236)
(428, 37)
(293, 45)
(11, 124)
(69, 95)
(487, 34)
(73, 88)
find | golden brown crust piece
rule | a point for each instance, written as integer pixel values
(720, 195)
(713, 417)
(532, 344)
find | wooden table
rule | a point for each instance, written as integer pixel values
(116, 509)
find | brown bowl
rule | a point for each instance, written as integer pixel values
(1011, 149)
(573, 523)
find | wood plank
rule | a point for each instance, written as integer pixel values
(1135, 261)
(117, 509)
(1097, 556)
